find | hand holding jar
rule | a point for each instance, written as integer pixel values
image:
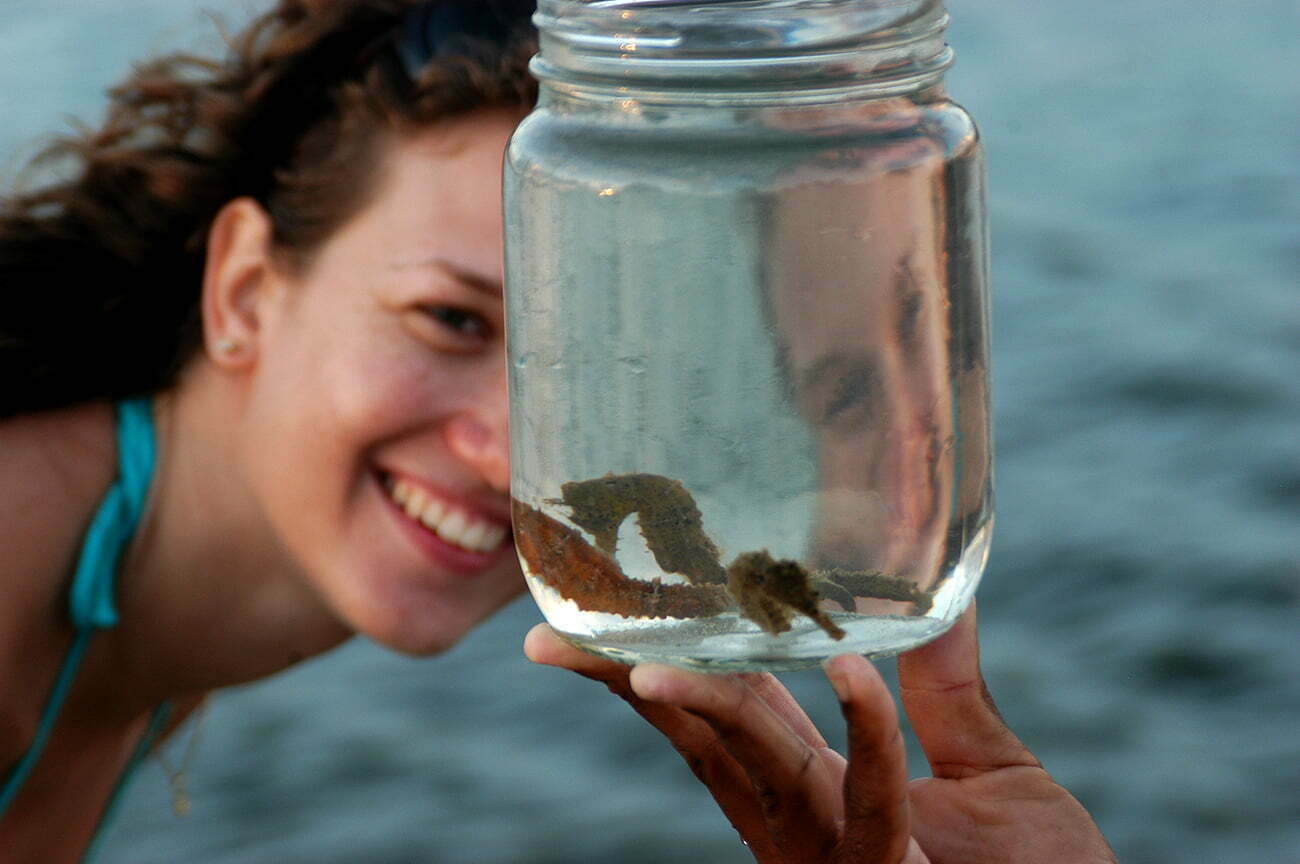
(794, 800)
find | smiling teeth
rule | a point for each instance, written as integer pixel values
(454, 526)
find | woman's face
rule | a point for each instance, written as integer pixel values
(859, 300)
(378, 409)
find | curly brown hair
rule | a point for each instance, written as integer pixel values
(100, 274)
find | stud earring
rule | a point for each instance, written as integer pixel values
(229, 346)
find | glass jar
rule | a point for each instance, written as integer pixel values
(747, 321)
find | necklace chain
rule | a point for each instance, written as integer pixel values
(178, 776)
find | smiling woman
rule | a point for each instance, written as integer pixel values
(263, 392)
(253, 403)
(382, 389)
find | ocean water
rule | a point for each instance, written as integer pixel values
(1139, 611)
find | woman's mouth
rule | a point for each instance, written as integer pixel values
(454, 525)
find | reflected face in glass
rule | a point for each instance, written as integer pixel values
(379, 406)
(859, 312)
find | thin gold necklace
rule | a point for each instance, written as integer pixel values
(178, 777)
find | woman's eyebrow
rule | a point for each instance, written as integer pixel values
(477, 281)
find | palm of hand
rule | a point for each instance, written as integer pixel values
(1016, 814)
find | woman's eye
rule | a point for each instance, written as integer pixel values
(844, 394)
(460, 321)
(853, 393)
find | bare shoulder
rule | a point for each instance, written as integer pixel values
(54, 469)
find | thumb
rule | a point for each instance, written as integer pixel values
(950, 708)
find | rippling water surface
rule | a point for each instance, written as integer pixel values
(1139, 613)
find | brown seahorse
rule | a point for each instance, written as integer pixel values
(669, 519)
(560, 557)
(866, 583)
(770, 592)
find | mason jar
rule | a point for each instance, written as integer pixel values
(747, 324)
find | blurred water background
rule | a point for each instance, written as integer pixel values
(1140, 608)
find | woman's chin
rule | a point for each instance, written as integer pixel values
(421, 623)
(413, 645)
(415, 638)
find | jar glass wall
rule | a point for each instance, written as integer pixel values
(747, 326)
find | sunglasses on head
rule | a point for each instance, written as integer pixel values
(450, 27)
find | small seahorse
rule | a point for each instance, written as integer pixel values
(560, 557)
(771, 592)
(670, 521)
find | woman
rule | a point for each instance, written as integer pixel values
(295, 258)
(265, 410)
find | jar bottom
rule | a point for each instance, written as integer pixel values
(730, 643)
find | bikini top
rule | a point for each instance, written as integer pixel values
(91, 604)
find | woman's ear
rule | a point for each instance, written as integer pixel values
(237, 283)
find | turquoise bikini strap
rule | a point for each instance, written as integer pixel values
(67, 672)
(91, 605)
(91, 601)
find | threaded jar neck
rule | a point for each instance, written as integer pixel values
(751, 51)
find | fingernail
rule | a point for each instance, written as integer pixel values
(838, 676)
(648, 681)
(533, 642)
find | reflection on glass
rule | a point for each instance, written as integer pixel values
(748, 342)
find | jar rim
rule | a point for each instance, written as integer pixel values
(744, 45)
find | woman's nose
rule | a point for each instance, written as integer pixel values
(484, 445)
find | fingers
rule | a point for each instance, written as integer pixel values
(793, 777)
(951, 710)
(785, 706)
(692, 737)
(876, 821)
(543, 646)
(770, 770)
